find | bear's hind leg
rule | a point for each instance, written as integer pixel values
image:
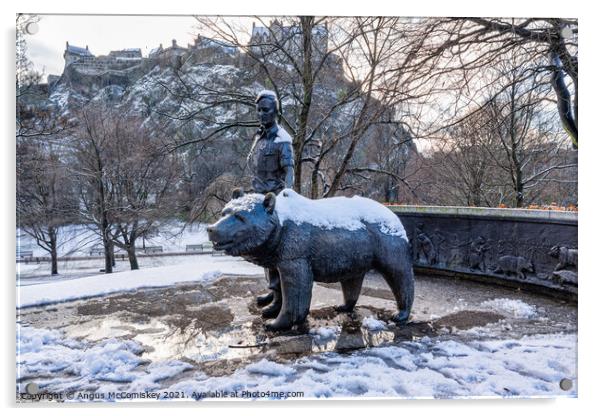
(396, 268)
(402, 286)
(351, 292)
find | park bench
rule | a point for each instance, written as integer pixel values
(153, 249)
(97, 251)
(194, 248)
(25, 254)
(216, 252)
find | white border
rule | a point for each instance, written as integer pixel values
(590, 290)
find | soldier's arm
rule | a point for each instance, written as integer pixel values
(290, 176)
(287, 163)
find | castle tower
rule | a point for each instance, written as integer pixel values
(76, 53)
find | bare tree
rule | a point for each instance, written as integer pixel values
(458, 51)
(91, 157)
(506, 152)
(143, 180)
(45, 199)
(127, 184)
(303, 60)
(526, 136)
(460, 169)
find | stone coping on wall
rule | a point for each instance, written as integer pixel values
(509, 213)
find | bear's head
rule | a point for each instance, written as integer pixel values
(247, 223)
(554, 252)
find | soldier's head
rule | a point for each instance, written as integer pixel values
(267, 107)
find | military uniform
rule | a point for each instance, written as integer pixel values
(271, 154)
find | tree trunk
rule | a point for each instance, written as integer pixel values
(108, 253)
(519, 197)
(131, 250)
(53, 253)
(112, 253)
(308, 86)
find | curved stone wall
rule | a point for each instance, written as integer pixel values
(534, 249)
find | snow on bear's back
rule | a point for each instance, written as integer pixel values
(338, 212)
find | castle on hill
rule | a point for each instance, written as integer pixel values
(290, 36)
(83, 58)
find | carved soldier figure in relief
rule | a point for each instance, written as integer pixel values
(476, 257)
(271, 160)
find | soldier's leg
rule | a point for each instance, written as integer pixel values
(272, 310)
(266, 299)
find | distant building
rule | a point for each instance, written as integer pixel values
(289, 37)
(169, 55)
(82, 58)
(202, 42)
(76, 54)
(203, 50)
(124, 54)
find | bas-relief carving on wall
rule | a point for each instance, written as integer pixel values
(535, 252)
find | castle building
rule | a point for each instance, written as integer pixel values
(289, 37)
(202, 50)
(76, 53)
(170, 52)
(82, 58)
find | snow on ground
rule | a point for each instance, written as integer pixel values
(325, 333)
(46, 353)
(77, 240)
(513, 307)
(373, 324)
(205, 270)
(36, 273)
(529, 367)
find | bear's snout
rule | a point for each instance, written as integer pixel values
(210, 231)
(213, 234)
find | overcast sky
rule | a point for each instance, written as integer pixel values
(103, 34)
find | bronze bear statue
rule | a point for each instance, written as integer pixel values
(329, 240)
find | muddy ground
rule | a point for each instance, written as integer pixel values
(218, 328)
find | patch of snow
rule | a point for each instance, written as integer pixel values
(283, 136)
(373, 324)
(64, 363)
(513, 307)
(338, 212)
(529, 367)
(207, 270)
(156, 372)
(268, 93)
(247, 202)
(269, 368)
(325, 332)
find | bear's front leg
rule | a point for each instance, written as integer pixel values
(296, 279)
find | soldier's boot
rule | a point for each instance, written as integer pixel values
(265, 300)
(273, 309)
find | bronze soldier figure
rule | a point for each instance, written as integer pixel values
(271, 160)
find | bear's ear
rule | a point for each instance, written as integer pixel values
(269, 202)
(237, 193)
